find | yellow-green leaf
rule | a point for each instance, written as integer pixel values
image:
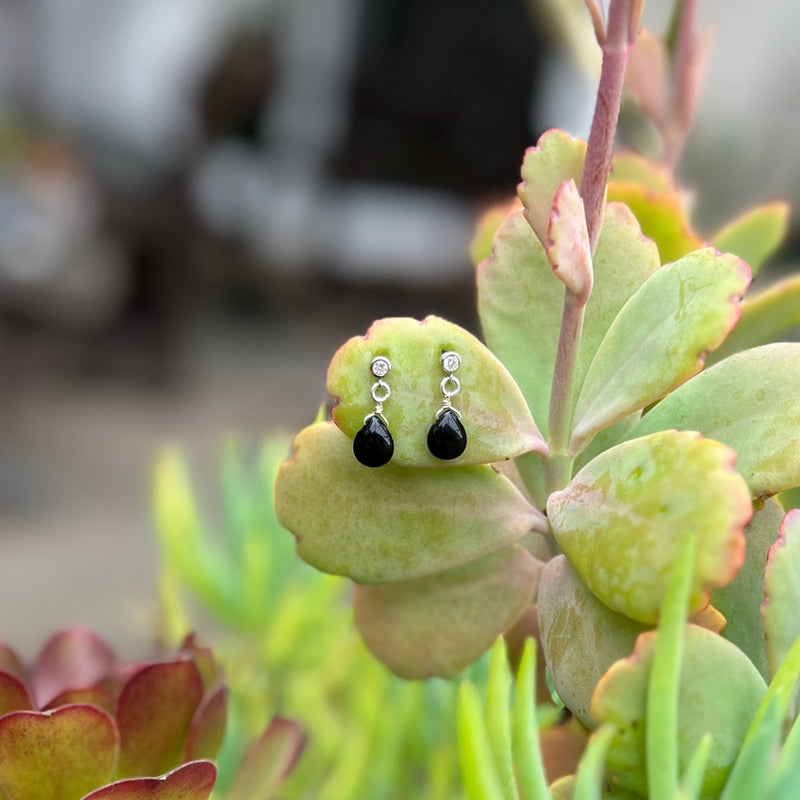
(392, 523)
(622, 519)
(493, 410)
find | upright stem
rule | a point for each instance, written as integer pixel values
(623, 23)
(684, 82)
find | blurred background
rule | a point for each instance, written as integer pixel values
(199, 201)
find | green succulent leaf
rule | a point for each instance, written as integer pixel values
(438, 624)
(631, 168)
(705, 704)
(556, 158)
(492, 408)
(193, 781)
(660, 337)
(154, 712)
(392, 523)
(481, 780)
(756, 234)
(56, 755)
(520, 301)
(740, 600)
(581, 636)
(765, 316)
(782, 591)
(498, 720)
(661, 216)
(751, 402)
(622, 518)
(268, 761)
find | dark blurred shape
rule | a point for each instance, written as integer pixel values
(443, 95)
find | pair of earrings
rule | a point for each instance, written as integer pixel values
(373, 445)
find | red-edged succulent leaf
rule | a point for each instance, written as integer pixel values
(99, 696)
(581, 636)
(56, 755)
(622, 519)
(268, 761)
(392, 523)
(740, 600)
(204, 660)
(660, 338)
(568, 249)
(782, 591)
(208, 727)
(193, 781)
(154, 711)
(493, 410)
(719, 692)
(73, 659)
(751, 402)
(556, 158)
(439, 624)
(14, 695)
(521, 303)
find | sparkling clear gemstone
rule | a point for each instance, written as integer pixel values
(380, 366)
(447, 438)
(450, 361)
(373, 445)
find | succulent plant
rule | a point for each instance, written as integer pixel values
(603, 440)
(80, 724)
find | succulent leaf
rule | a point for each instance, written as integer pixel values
(492, 407)
(740, 600)
(154, 711)
(581, 636)
(660, 338)
(556, 158)
(392, 523)
(268, 761)
(438, 624)
(622, 518)
(56, 755)
(782, 591)
(520, 303)
(705, 704)
(755, 235)
(14, 695)
(207, 728)
(568, 249)
(751, 402)
(193, 781)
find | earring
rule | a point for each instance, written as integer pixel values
(447, 438)
(373, 445)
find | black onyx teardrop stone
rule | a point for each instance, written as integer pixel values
(373, 445)
(447, 438)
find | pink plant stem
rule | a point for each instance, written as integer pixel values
(623, 22)
(684, 83)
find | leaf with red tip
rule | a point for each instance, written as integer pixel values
(56, 755)
(556, 158)
(203, 657)
(268, 761)
(73, 659)
(193, 781)
(154, 712)
(622, 519)
(660, 338)
(439, 624)
(751, 402)
(782, 591)
(568, 248)
(392, 523)
(208, 727)
(10, 662)
(521, 303)
(493, 410)
(98, 696)
(14, 695)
